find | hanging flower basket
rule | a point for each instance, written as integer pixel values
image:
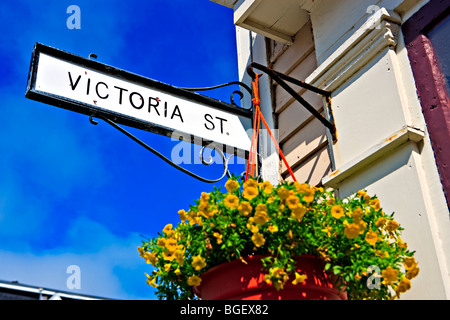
(353, 244)
(245, 280)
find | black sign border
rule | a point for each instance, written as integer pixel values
(119, 118)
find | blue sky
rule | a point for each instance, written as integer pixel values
(72, 193)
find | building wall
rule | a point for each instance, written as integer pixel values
(302, 137)
(383, 144)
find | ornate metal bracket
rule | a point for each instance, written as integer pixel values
(238, 92)
(226, 171)
(281, 78)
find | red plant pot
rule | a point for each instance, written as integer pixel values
(236, 280)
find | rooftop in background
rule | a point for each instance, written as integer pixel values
(13, 290)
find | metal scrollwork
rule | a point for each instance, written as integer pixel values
(226, 160)
(232, 100)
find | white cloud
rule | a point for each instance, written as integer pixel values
(111, 268)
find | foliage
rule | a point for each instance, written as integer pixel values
(357, 241)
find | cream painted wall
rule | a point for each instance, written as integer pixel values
(373, 99)
(383, 145)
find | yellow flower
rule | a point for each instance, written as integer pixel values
(372, 237)
(337, 211)
(375, 203)
(363, 195)
(280, 276)
(167, 267)
(409, 263)
(258, 239)
(411, 267)
(267, 279)
(245, 208)
(231, 185)
(357, 215)
(231, 201)
(251, 183)
(389, 275)
(198, 263)
(381, 222)
(382, 254)
(161, 242)
(251, 225)
(141, 251)
(179, 257)
(360, 193)
(204, 198)
(299, 278)
(151, 281)
(250, 193)
(352, 230)
(261, 218)
(261, 207)
(299, 212)
(292, 201)
(218, 237)
(307, 191)
(403, 286)
(284, 193)
(272, 229)
(401, 244)
(414, 272)
(168, 230)
(194, 281)
(327, 230)
(151, 258)
(266, 187)
(391, 225)
(171, 244)
(183, 216)
(168, 255)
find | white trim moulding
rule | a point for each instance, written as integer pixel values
(406, 134)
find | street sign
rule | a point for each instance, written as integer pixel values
(86, 86)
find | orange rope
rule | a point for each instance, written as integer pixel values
(258, 116)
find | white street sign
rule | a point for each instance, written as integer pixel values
(86, 86)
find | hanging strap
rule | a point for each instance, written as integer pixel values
(258, 116)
